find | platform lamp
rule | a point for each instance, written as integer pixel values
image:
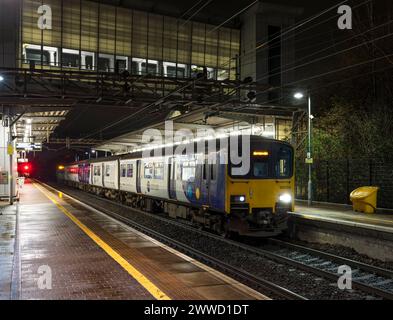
(1, 78)
(309, 159)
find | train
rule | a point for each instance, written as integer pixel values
(199, 188)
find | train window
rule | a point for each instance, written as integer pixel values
(204, 175)
(148, 172)
(107, 170)
(261, 168)
(188, 171)
(158, 170)
(130, 170)
(283, 165)
(123, 170)
(213, 171)
(97, 170)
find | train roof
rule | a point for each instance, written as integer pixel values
(138, 154)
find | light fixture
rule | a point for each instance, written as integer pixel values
(285, 198)
(236, 199)
(298, 95)
(260, 153)
(1, 78)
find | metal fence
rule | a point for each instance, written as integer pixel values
(334, 180)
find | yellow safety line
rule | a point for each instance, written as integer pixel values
(138, 276)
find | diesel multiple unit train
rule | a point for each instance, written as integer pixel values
(209, 193)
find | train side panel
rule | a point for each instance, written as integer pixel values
(96, 174)
(128, 175)
(154, 177)
(111, 174)
(71, 173)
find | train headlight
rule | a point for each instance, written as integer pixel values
(285, 198)
(238, 198)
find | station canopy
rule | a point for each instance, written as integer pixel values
(203, 123)
(37, 126)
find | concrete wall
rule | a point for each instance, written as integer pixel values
(255, 25)
(9, 32)
(5, 163)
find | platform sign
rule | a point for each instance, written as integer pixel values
(3, 177)
(29, 146)
(309, 160)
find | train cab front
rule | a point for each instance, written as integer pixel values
(259, 200)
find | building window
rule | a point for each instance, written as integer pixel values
(35, 55)
(151, 68)
(104, 64)
(70, 60)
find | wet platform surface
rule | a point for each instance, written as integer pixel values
(7, 247)
(63, 250)
(345, 215)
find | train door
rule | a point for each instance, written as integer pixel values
(172, 178)
(102, 174)
(205, 183)
(138, 176)
(213, 172)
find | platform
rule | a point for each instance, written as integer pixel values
(54, 247)
(344, 215)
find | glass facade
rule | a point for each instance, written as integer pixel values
(91, 36)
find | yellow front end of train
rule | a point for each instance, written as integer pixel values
(258, 203)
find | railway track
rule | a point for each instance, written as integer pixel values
(374, 281)
(243, 276)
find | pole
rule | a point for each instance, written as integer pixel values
(11, 177)
(309, 155)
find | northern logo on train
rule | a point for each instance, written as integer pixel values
(197, 193)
